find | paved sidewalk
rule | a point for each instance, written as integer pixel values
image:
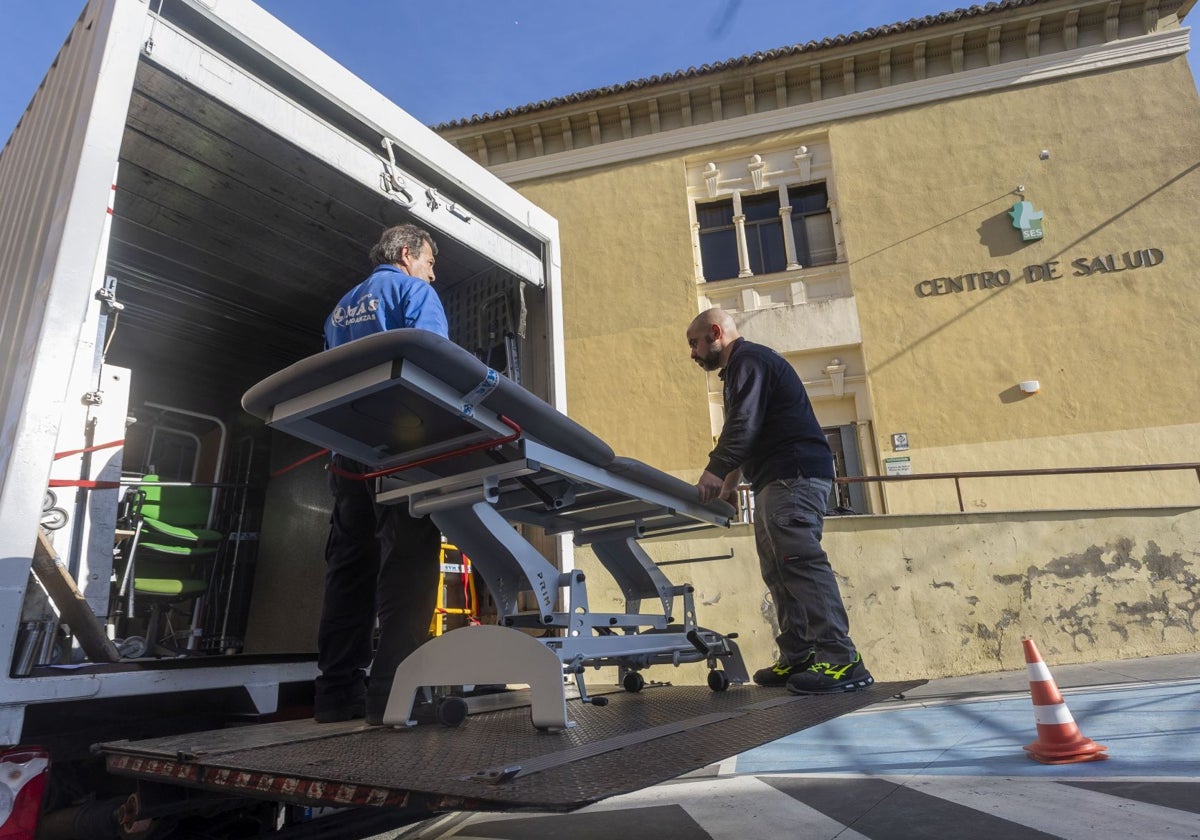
(1151, 669)
(945, 761)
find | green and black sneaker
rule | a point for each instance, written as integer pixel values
(778, 672)
(830, 678)
(775, 674)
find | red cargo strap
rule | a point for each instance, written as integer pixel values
(466, 450)
(69, 452)
(299, 463)
(90, 485)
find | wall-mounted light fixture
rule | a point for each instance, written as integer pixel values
(1029, 386)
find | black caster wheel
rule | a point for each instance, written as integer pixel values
(598, 701)
(633, 682)
(718, 680)
(451, 711)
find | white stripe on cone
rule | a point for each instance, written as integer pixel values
(1038, 672)
(1056, 714)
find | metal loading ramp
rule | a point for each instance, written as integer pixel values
(496, 760)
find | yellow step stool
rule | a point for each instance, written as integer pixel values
(453, 563)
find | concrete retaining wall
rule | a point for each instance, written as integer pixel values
(942, 595)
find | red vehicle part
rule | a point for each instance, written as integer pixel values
(23, 775)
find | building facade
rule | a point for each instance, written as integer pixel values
(974, 237)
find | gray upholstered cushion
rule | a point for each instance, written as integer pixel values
(453, 365)
(648, 475)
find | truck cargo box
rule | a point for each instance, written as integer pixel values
(190, 191)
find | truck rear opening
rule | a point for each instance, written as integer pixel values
(188, 194)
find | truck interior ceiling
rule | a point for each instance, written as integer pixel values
(225, 275)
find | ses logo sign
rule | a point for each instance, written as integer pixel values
(1027, 220)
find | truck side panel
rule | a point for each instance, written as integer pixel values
(56, 177)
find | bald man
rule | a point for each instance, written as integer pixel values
(771, 437)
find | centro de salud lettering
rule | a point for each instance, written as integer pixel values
(1037, 272)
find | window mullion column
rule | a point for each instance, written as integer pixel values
(697, 259)
(739, 229)
(789, 238)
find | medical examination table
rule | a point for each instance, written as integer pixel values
(440, 431)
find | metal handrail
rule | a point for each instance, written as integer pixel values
(956, 476)
(744, 490)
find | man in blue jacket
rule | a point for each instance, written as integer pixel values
(771, 437)
(379, 560)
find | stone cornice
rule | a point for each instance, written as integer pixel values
(1018, 46)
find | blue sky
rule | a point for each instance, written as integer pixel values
(459, 58)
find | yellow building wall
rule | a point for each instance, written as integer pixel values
(1115, 352)
(628, 297)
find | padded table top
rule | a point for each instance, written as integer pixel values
(462, 372)
(444, 359)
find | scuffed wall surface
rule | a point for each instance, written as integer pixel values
(959, 593)
(948, 595)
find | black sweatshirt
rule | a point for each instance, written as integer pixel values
(770, 429)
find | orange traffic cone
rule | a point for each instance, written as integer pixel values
(1059, 739)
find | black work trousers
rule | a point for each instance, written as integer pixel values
(379, 561)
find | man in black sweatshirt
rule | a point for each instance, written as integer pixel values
(772, 438)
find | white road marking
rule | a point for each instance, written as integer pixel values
(736, 808)
(1065, 811)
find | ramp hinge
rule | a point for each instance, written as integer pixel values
(434, 200)
(108, 301)
(392, 180)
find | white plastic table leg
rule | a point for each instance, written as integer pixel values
(477, 655)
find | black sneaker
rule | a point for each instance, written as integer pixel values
(376, 706)
(424, 710)
(830, 678)
(777, 673)
(339, 706)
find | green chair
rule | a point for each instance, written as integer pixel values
(170, 555)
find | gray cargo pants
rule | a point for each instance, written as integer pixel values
(788, 522)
